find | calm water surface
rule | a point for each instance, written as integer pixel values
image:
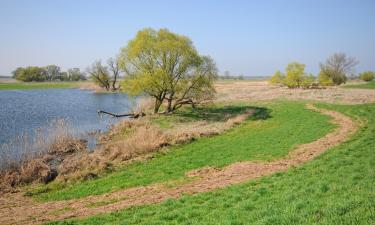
(24, 111)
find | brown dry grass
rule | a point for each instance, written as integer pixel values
(41, 168)
(134, 140)
(262, 90)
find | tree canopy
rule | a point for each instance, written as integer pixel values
(106, 76)
(336, 69)
(167, 67)
(367, 76)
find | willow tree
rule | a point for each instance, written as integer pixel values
(105, 76)
(167, 67)
(336, 69)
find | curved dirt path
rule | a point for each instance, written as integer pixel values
(17, 209)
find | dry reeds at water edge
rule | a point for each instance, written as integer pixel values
(142, 137)
(56, 154)
(34, 157)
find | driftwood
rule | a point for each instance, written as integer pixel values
(130, 115)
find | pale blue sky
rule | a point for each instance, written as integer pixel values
(244, 37)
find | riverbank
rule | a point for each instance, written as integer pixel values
(8, 85)
(249, 130)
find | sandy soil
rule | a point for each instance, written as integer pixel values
(17, 209)
(261, 90)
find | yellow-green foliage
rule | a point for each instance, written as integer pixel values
(367, 76)
(295, 73)
(308, 81)
(295, 77)
(167, 67)
(277, 78)
(324, 79)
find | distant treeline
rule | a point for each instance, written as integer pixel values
(47, 73)
(228, 76)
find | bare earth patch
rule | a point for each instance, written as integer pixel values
(17, 209)
(261, 90)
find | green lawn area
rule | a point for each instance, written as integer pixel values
(38, 85)
(368, 85)
(336, 188)
(271, 133)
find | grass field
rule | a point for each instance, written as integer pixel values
(336, 188)
(368, 85)
(38, 85)
(264, 137)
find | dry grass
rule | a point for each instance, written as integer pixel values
(90, 86)
(190, 131)
(134, 140)
(26, 160)
(144, 104)
(261, 90)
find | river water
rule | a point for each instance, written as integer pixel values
(25, 111)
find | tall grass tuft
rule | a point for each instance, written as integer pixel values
(33, 156)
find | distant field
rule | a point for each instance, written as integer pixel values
(368, 85)
(37, 85)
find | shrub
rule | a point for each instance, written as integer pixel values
(336, 68)
(367, 76)
(324, 79)
(277, 78)
(295, 73)
(308, 81)
(295, 77)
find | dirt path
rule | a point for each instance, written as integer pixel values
(17, 209)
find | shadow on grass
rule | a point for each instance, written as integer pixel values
(221, 113)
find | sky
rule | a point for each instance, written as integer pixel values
(250, 38)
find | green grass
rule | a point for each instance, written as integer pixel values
(38, 85)
(272, 133)
(368, 85)
(212, 113)
(336, 188)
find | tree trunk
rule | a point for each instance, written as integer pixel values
(169, 107)
(131, 115)
(157, 105)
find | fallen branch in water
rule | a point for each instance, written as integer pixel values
(130, 115)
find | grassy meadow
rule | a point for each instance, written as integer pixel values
(38, 85)
(367, 85)
(270, 133)
(336, 188)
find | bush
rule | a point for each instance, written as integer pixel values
(336, 69)
(296, 77)
(325, 80)
(308, 81)
(295, 74)
(367, 76)
(277, 78)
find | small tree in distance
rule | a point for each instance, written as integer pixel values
(367, 76)
(105, 76)
(99, 74)
(295, 77)
(336, 69)
(277, 78)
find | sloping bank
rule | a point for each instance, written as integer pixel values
(289, 124)
(335, 188)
